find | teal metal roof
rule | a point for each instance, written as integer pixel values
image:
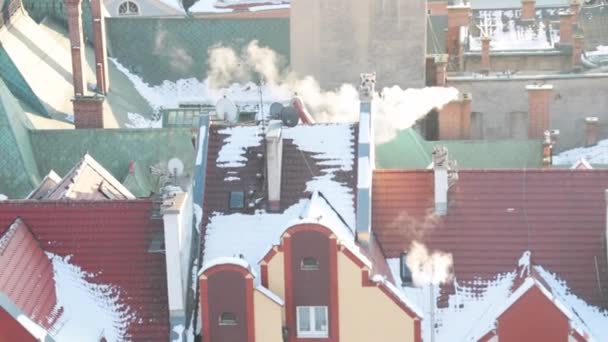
(18, 170)
(435, 38)
(410, 151)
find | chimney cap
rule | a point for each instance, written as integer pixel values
(539, 87)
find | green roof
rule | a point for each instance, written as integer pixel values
(410, 151)
(18, 172)
(435, 38)
(60, 150)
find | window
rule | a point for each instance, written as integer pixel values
(228, 318)
(309, 264)
(312, 321)
(128, 8)
(237, 199)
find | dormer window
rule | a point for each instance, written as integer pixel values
(128, 8)
(309, 264)
(237, 199)
(404, 271)
(227, 319)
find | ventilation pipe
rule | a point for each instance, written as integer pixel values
(298, 105)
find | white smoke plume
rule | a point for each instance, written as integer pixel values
(429, 268)
(395, 109)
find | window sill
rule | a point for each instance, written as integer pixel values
(312, 336)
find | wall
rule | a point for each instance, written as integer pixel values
(376, 317)
(336, 40)
(533, 318)
(268, 327)
(276, 276)
(545, 62)
(499, 102)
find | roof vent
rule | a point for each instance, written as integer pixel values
(237, 199)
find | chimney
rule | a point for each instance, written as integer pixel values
(591, 130)
(441, 184)
(101, 54)
(455, 119)
(365, 160)
(88, 111)
(575, 8)
(539, 100)
(458, 16)
(485, 53)
(547, 149)
(566, 29)
(441, 64)
(177, 216)
(578, 46)
(74, 12)
(528, 9)
(274, 159)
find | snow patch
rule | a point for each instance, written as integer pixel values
(139, 121)
(270, 295)
(89, 310)
(597, 154)
(232, 153)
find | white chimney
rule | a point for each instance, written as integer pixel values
(178, 224)
(441, 182)
(274, 160)
(365, 159)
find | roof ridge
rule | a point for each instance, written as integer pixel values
(107, 176)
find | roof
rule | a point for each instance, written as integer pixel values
(323, 164)
(501, 4)
(409, 150)
(594, 22)
(594, 155)
(48, 184)
(212, 6)
(493, 216)
(100, 247)
(435, 39)
(89, 181)
(507, 32)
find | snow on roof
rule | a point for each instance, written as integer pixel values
(90, 311)
(223, 6)
(271, 295)
(507, 33)
(235, 146)
(597, 154)
(473, 309)
(380, 279)
(268, 7)
(252, 236)
(225, 261)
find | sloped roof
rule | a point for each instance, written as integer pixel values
(493, 216)
(26, 275)
(410, 151)
(89, 181)
(48, 184)
(108, 241)
(18, 169)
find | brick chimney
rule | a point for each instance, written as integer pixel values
(458, 16)
(274, 160)
(441, 65)
(485, 53)
(547, 149)
(575, 8)
(591, 130)
(566, 28)
(578, 47)
(455, 119)
(528, 9)
(101, 54)
(365, 161)
(539, 100)
(74, 12)
(88, 111)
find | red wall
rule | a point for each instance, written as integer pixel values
(227, 292)
(311, 288)
(11, 330)
(533, 318)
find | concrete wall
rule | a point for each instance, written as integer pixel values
(498, 105)
(376, 317)
(336, 40)
(500, 62)
(267, 319)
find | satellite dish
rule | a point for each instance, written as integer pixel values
(289, 116)
(275, 110)
(226, 110)
(176, 167)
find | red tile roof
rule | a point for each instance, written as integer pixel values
(494, 216)
(26, 275)
(109, 239)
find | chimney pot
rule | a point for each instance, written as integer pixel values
(578, 47)
(591, 130)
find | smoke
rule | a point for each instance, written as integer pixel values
(395, 109)
(429, 268)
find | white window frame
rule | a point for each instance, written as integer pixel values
(128, 13)
(312, 333)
